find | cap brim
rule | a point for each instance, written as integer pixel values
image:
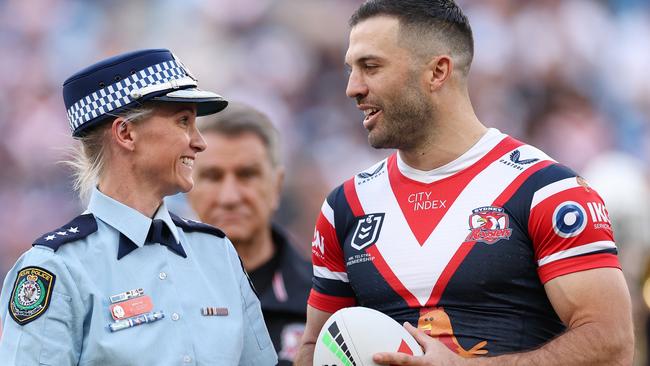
(206, 102)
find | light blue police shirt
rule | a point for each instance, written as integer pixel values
(73, 328)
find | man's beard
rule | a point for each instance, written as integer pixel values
(407, 113)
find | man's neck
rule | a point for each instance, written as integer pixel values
(445, 144)
(256, 252)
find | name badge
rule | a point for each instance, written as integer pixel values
(126, 295)
(131, 307)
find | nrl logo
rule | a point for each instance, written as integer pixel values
(488, 224)
(367, 231)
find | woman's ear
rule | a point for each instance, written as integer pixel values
(123, 133)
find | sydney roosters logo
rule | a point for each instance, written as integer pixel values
(488, 225)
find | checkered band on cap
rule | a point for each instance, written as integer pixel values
(123, 92)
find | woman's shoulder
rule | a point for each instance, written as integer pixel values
(78, 228)
(188, 225)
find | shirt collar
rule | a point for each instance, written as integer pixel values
(127, 220)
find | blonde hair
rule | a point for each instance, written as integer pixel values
(88, 157)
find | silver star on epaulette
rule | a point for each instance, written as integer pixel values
(74, 230)
(62, 233)
(50, 237)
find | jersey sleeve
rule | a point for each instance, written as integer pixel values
(331, 289)
(570, 229)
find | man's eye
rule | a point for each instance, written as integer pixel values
(246, 174)
(210, 175)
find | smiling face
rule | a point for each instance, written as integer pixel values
(166, 145)
(388, 87)
(237, 187)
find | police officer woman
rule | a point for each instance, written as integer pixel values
(127, 282)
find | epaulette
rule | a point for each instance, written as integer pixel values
(191, 225)
(79, 228)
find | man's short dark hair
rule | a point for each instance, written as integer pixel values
(425, 26)
(238, 119)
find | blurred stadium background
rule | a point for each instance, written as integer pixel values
(570, 76)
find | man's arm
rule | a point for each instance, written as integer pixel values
(595, 306)
(315, 321)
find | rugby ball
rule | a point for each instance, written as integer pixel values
(352, 335)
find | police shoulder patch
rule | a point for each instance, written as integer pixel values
(79, 228)
(191, 225)
(31, 294)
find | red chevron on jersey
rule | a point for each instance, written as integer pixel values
(466, 247)
(417, 267)
(424, 204)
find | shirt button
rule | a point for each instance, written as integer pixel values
(162, 275)
(187, 359)
(175, 317)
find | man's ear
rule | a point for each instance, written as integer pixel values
(123, 133)
(439, 71)
(277, 187)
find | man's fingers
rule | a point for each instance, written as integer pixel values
(392, 358)
(422, 338)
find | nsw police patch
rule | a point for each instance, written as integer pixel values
(31, 295)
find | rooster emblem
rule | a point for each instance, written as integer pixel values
(436, 323)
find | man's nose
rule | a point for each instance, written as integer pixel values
(356, 88)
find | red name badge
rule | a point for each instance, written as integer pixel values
(131, 307)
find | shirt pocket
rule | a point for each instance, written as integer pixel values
(62, 337)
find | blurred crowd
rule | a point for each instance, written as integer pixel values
(569, 76)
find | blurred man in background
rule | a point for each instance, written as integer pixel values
(238, 187)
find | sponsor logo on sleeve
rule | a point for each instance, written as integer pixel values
(569, 219)
(599, 215)
(318, 244)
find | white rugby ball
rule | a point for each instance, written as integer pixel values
(352, 335)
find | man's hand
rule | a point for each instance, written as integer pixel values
(435, 353)
(595, 306)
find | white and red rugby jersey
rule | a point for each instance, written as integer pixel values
(463, 250)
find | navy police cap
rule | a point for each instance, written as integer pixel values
(124, 81)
